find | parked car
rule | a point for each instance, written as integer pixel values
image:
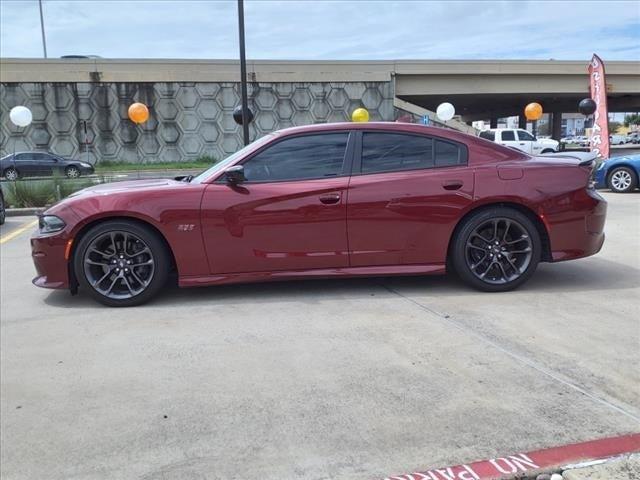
(620, 174)
(3, 213)
(327, 200)
(520, 139)
(40, 164)
(617, 139)
(632, 138)
(581, 140)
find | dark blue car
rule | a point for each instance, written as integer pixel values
(620, 174)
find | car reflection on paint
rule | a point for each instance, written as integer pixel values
(330, 200)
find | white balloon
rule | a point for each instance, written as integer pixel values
(20, 116)
(445, 111)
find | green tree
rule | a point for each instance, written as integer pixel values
(614, 126)
(632, 119)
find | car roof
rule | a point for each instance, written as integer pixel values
(396, 127)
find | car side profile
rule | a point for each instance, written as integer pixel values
(41, 164)
(521, 139)
(331, 200)
(620, 174)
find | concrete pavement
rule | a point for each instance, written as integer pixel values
(319, 379)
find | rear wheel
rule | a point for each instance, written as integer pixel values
(496, 250)
(11, 174)
(622, 180)
(121, 263)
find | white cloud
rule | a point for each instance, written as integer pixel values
(325, 29)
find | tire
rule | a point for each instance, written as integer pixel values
(622, 180)
(121, 263)
(72, 171)
(548, 150)
(3, 213)
(11, 174)
(491, 267)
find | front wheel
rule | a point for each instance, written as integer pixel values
(622, 180)
(496, 250)
(121, 263)
(548, 150)
(72, 172)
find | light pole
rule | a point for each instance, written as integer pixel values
(44, 38)
(243, 74)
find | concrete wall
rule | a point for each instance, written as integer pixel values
(187, 120)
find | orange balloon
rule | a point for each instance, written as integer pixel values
(533, 111)
(138, 113)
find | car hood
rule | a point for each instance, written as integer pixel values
(114, 187)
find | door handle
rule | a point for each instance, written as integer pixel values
(330, 198)
(522, 144)
(452, 184)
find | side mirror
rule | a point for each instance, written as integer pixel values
(235, 174)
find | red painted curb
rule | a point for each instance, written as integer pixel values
(520, 463)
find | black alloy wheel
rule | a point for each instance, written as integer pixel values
(121, 263)
(496, 249)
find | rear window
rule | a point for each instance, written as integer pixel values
(489, 135)
(388, 152)
(508, 136)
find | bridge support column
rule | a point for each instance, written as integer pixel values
(493, 122)
(556, 125)
(522, 122)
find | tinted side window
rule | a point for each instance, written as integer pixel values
(525, 136)
(508, 136)
(307, 157)
(489, 135)
(448, 154)
(384, 152)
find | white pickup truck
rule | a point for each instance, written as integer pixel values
(521, 139)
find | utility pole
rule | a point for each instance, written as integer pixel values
(243, 74)
(44, 38)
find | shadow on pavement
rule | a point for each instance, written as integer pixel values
(594, 274)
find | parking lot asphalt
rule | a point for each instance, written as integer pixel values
(342, 379)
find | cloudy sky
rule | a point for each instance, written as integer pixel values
(339, 29)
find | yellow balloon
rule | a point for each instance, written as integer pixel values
(138, 113)
(533, 111)
(360, 115)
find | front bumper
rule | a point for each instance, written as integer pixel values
(600, 178)
(48, 255)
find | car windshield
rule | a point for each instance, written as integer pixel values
(218, 167)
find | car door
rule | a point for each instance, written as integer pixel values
(406, 194)
(25, 164)
(528, 142)
(44, 164)
(289, 214)
(508, 138)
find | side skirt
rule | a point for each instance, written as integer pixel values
(250, 277)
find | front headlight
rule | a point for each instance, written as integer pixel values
(50, 224)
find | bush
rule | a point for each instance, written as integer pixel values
(41, 193)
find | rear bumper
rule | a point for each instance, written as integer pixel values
(579, 232)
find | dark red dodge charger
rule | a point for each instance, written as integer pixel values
(326, 201)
